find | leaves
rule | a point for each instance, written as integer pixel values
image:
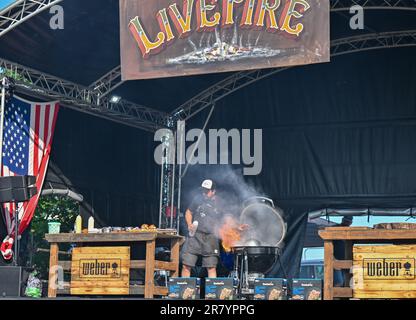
(59, 209)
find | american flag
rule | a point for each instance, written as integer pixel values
(27, 139)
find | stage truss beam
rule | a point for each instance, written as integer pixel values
(345, 5)
(107, 83)
(21, 11)
(242, 79)
(35, 83)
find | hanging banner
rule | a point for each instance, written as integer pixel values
(167, 38)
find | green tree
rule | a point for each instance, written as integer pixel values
(50, 208)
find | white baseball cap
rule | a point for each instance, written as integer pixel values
(207, 184)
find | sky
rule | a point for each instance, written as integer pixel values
(318, 253)
(5, 3)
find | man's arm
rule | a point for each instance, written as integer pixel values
(188, 218)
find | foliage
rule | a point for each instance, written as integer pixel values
(15, 75)
(52, 208)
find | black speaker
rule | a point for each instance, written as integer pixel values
(17, 188)
(10, 282)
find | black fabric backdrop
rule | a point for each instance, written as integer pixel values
(335, 135)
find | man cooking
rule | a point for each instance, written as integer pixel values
(202, 218)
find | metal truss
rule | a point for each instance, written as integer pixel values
(107, 83)
(345, 5)
(74, 96)
(20, 11)
(242, 79)
(373, 41)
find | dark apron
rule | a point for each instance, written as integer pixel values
(204, 244)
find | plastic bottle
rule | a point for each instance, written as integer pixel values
(78, 224)
(90, 224)
(193, 231)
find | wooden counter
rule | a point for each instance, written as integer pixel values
(149, 264)
(351, 236)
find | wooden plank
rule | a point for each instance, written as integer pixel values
(387, 249)
(159, 265)
(133, 290)
(344, 292)
(371, 234)
(101, 250)
(53, 274)
(336, 229)
(158, 291)
(174, 258)
(150, 269)
(342, 264)
(386, 294)
(328, 270)
(99, 291)
(101, 237)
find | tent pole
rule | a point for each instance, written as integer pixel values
(162, 173)
(180, 131)
(173, 181)
(16, 235)
(3, 105)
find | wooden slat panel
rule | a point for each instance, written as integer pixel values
(391, 277)
(111, 280)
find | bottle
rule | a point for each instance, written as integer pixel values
(78, 224)
(90, 224)
(193, 231)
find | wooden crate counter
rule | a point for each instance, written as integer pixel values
(150, 264)
(351, 236)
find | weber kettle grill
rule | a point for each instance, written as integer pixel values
(258, 250)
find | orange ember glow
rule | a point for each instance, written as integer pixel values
(229, 234)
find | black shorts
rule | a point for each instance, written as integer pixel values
(190, 259)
